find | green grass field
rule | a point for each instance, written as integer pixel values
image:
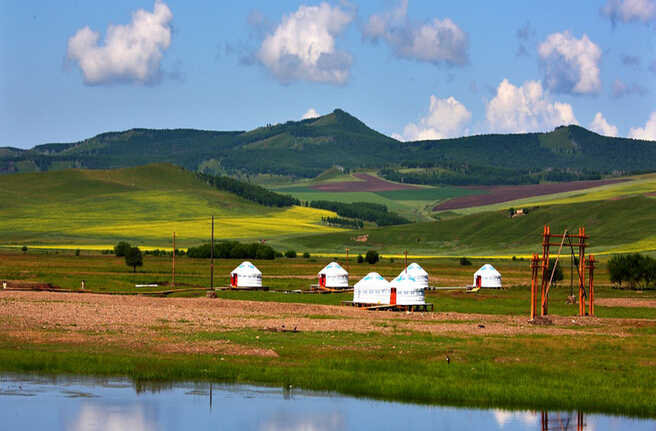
(143, 205)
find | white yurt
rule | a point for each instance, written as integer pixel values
(408, 291)
(487, 277)
(372, 289)
(417, 272)
(333, 275)
(246, 275)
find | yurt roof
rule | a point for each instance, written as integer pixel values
(414, 269)
(372, 279)
(488, 269)
(246, 268)
(405, 280)
(333, 268)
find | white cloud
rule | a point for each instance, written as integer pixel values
(526, 109)
(570, 65)
(433, 41)
(311, 113)
(303, 47)
(648, 132)
(630, 10)
(130, 53)
(601, 126)
(447, 118)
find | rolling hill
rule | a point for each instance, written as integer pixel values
(305, 149)
(142, 205)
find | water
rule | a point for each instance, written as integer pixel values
(72, 404)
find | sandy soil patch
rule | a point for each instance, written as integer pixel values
(166, 324)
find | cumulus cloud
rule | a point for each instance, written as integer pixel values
(648, 132)
(447, 118)
(601, 126)
(630, 11)
(620, 89)
(303, 46)
(433, 41)
(130, 53)
(525, 109)
(311, 113)
(570, 65)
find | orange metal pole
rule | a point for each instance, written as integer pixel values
(545, 266)
(581, 271)
(535, 265)
(591, 284)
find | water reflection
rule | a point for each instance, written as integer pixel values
(29, 402)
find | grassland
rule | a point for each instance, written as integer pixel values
(601, 364)
(143, 205)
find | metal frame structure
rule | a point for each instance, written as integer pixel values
(540, 271)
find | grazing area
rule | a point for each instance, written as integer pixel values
(495, 359)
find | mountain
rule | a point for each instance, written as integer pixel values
(308, 147)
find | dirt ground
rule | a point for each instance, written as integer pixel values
(165, 324)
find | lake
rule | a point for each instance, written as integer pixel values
(71, 404)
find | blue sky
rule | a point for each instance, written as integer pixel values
(409, 69)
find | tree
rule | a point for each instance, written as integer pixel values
(306, 255)
(24, 248)
(372, 257)
(360, 258)
(558, 274)
(465, 261)
(290, 254)
(121, 248)
(134, 258)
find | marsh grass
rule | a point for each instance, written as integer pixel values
(581, 371)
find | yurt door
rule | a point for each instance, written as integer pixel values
(234, 280)
(393, 296)
(478, 281)
(322, 280)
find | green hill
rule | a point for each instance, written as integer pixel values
(305, 149)
(614, 226)
(143, 205)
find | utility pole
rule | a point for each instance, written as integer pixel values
(173, 280)
(212, 258)
(406, 261)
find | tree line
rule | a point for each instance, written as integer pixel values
(367, 211)
(233, 250)
(249, 191)
(635, 270)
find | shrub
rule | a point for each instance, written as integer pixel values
(372, 257)
(290, 254)
(121, 248)
(360, 259)
(465, 261)
(306, 255)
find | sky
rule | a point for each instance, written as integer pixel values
(410, 69)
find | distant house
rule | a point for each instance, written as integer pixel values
(333, 276)
(405, 290)
(487, 277)
(372, 289)
(246, 275)
(417, 272)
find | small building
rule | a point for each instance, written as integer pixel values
(405, 290)
(372, 289)
(418, 273)
(246, 275)
(333, 276)
(487, 277)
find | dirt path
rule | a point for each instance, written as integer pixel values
(167, 324)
